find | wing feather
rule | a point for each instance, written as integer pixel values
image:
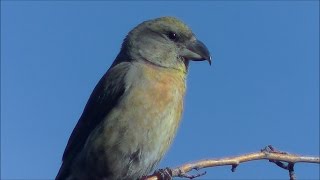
(104, 97)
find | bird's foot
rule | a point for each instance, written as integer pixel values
(164, 174)
(160, 174)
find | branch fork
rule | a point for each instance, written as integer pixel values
(282, 159)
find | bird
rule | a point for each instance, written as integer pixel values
(134, 111)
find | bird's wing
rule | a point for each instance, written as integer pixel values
(105, 96)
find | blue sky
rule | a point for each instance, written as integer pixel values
(262, 88)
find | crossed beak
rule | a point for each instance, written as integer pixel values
(196, 51)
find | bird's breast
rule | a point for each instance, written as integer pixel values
(150, 111)
(155, 102)
(142, 126)
(154, 105)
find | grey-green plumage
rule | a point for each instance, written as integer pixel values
(134, 111)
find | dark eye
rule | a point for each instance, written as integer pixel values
(173, 36)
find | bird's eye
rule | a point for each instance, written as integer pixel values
(173, 36)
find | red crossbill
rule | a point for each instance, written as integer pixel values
(134, 111)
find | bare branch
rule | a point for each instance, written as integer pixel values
(268, 153)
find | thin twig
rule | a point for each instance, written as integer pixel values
(268, 153)
(291, 171)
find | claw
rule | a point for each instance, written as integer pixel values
(164, 174)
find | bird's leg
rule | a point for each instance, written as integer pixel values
(164, 174)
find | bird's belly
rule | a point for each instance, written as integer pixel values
(137, 133)
(147, 126)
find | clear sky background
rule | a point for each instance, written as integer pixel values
(263, 86)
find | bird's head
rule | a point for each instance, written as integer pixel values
(165, 42)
